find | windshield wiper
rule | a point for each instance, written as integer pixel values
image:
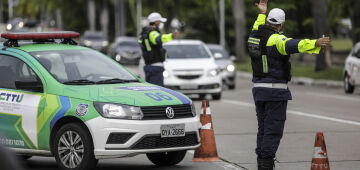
(79, 82)
(115, 80)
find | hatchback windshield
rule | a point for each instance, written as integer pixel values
(129, 43)
(82, 67)
(186, 51)
(224, 53)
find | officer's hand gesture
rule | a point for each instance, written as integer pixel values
(262, 6)
(322, 41)
(175, 34)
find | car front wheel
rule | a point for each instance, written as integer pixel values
(216, 96)
(347, 86)
(73, 148)
(166, 158)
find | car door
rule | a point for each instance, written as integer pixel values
(356, 67)
(20, 95)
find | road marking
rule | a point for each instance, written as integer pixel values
(350, 122)
(333, 96)
(223, 164)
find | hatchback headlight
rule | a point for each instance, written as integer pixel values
(105, 43)
(119, 111)
(230, 68)
(87, 43)
(193, 109)
(166, 74)
(213, 72)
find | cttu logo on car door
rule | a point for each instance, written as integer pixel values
(18, 119)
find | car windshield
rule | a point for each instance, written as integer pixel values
(82, 67)
(94, 37)
(186, 51)
(224, 53)
(129, 43)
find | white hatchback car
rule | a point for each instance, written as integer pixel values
(352, 69)
(191, 69)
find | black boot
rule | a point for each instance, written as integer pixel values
(265, 163)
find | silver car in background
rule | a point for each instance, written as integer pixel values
(125, 50)
(226, 64)
(95, 40)
(352, 70)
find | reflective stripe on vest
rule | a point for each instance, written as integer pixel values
(265, 65)
(147, 44)
(254, 40)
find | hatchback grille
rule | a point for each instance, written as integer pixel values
(156, 142)
(158, 112)
(188, 77)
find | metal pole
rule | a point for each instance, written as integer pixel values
(91, 14)
(10, 7)
(222, 23)
(139, 17)
(122, 18)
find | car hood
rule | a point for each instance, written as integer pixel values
(128, 49)
(223, 63)
(135, 94)
(189, 64)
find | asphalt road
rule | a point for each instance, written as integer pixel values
(313, 109)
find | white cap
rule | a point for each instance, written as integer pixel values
(276, 16)
(156, 17)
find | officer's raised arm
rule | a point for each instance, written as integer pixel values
(262, 6)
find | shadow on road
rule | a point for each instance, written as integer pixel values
(111, 164)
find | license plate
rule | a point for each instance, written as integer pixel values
(172, 130)
(188, 86)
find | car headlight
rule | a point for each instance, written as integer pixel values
(213, 72)
(193, 109)
(119, 111)
(230, 68)
(9, 26)
(87, 43)
(118, 57)
(105, 43)
(21, 24)
(166, 74)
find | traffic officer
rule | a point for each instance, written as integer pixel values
(154, 54)
(270, 53)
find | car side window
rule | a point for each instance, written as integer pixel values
(14, 70)
(356, 51)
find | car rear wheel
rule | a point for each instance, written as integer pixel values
(347, 86)
(25, 157)
(202, 96)
(73, 148)
(232, 87)
(166, 158)
(216, 96)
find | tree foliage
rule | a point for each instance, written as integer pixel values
(200, 16)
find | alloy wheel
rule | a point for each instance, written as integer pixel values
(70, 149)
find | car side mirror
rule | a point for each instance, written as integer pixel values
(218, 55)
(232, 58)
(34, 86)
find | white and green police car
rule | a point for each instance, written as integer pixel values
(74, 103)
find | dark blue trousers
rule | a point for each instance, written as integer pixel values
(271, 117)
(154, 74)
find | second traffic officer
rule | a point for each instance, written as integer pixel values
(154, 54)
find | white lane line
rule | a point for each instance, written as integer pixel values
(350, 122)
(222, 164)
(333, 96)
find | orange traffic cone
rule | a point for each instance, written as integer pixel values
(320, 159)
(207, 151)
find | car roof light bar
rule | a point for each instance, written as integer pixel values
(13, 37)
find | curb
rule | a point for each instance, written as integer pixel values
(300, 81)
